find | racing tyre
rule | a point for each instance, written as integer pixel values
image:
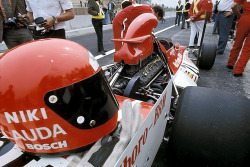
(208, 54)
(166, 42)
(211, 128)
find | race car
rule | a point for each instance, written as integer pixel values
(63, 102)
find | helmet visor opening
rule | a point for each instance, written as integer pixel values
(85, 104)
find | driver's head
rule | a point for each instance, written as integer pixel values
(59, 100)
(158, 12)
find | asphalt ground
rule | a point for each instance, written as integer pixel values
(219, 77)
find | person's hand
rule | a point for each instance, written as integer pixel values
(19, 25)
(49, 23)
(191, 18)
(227, 13)
(238, 17)
(23, 18)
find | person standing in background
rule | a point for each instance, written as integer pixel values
(111, 7)
(215, 18)
(179, 8)
(242, 34)
(186, 8)
(54, 12)
(97, 14)
(197, 14)
(12, 31)
(225, 20)
(210, 7)
(215, 10)
(106, 15)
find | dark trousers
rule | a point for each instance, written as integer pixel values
(111, 16)
(14, 37)
(224, 26)
(185, 17)
(98, 24)
(51, 34)
(178, 17)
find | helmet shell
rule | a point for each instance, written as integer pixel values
(31, 71)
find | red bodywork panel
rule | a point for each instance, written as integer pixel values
(138, 42)
(174, 56)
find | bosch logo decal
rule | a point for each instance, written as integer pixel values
(40, 133)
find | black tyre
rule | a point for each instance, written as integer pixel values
(211, 128)
(208, 54)
(166, 42)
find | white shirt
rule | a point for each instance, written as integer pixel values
(225, 5)
(48, 8)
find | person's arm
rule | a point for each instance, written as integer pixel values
(67, 15)
(235, 8)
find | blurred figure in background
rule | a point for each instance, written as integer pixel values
(215, 18)
(97, 14)
(12, 31)
(197, 14)
(179, 8)
(210, 6)
(242, 38)
(111, 8)
(186, 8)
(225, 20)
(53, 16)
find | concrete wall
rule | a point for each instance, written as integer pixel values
(80, 21)
(81, 11)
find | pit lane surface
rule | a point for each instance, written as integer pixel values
(219, 77)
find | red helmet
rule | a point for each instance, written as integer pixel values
(54, 97)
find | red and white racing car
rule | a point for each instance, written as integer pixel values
(57, 99)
